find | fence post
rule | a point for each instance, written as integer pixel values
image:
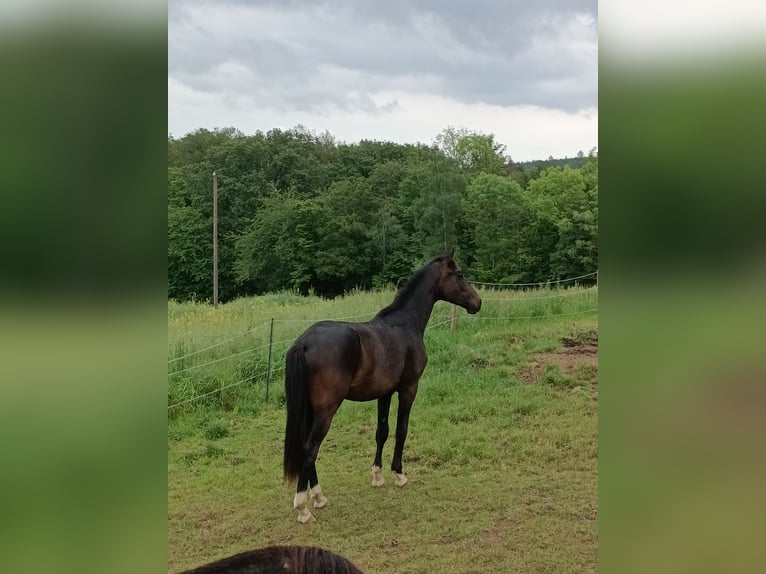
(453, 318)
(268, 375)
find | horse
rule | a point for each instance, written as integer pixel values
(333, 361)
(280, 560)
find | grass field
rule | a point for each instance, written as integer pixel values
(501, 453)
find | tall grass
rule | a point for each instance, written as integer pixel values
(218, 358)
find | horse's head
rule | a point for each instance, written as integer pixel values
(452, 287)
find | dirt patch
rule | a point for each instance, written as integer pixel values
(579, 357)
(586, 339)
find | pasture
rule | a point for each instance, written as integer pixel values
(501, 453)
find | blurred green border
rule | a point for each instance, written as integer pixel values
(681, 371)
(83, 312)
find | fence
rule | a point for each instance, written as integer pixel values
(276, 349)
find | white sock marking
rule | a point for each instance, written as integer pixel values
(320, 500)
(377, 476)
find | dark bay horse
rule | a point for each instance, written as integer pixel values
(280, 560)
(334, 361)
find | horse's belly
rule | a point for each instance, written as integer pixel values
(370, 389)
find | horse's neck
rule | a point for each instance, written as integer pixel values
(418, 307)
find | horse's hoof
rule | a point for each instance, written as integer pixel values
(320, 500)
(305, 516)
(401, 480)
(377, 476)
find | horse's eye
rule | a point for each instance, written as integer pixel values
(460, 274)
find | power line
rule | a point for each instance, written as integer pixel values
(539, 283)
(318, 320)
(263, 325)
(250, 330)
(437, 324)
(374, 312)
(224, 388)
(245, 352)
(566, 294)
(512, 318)
(277, 369)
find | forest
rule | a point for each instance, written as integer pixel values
(303, 212)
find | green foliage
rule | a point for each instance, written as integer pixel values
(430, 197)
(552, 375)
(217, 429)
(473, 152)
(499, 215)
(299, 211)
(567, 220)
(274, 251)
(188, 257)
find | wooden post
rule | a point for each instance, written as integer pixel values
(453, 318)
(215, 240)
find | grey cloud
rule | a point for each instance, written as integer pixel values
(312, 56)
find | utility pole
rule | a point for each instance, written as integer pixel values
(215, 240)
(271, 343)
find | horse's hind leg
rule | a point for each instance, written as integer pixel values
(308, 472)
(299, 502)
(315, 491)
(381, 435)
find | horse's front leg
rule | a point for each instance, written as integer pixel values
(381, 435)
(406, 398)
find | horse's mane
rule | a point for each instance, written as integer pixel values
(280, 560)
(411, 286)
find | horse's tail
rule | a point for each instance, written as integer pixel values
(300, 416)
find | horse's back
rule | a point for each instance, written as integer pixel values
(328, 342)
(331, 352)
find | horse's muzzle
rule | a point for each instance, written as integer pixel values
(473, 306)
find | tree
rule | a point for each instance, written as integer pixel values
(430, 202)
(193, 147)
(301, 211)
(393, 257)
(277, 249)
(190, 259)
(566, 222)
(320, 244)
(473, 151)
(344, 254)
(498, 215)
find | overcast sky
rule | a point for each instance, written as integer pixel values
(400, 70)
